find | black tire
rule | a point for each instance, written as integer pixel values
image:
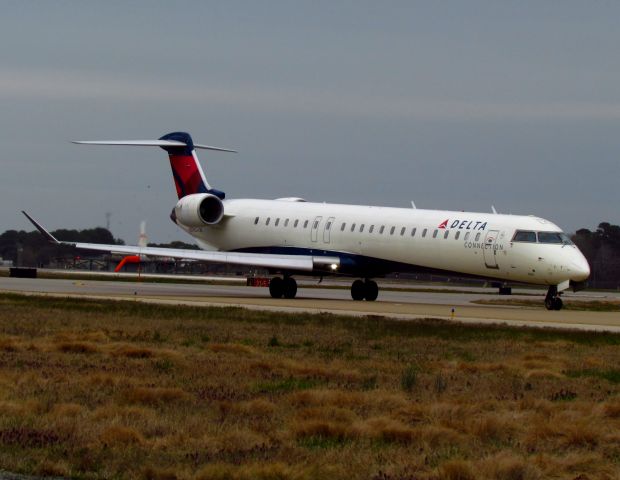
(276, 287)
(289, 287)
(557, 303)
(358, 290)
(372, 290)
(549, 303)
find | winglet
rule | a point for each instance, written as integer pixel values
(50, 238)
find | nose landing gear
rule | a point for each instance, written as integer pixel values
(553, 300)
(367, 289)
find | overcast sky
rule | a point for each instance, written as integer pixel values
(455, 105)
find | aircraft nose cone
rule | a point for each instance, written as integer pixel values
(580, 269)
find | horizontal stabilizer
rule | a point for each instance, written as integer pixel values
(150, 143)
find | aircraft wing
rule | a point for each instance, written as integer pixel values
(306, 263)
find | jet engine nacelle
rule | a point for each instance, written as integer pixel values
(198, 210)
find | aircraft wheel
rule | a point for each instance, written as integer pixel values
(290, 287)
(358, 290)
(372, 290)
(276, 287)
(549, 303)
(552, 300)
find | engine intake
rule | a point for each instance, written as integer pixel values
(198, 210)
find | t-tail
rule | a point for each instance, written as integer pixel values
(189, 178)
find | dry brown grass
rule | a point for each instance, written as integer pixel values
(612, 408)
(508, 466)
(118, 437)
(234, 348)
(123, 390)
(155, 395)
(77, 347)
(386, 429)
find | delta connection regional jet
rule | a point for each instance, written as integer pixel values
(290, 236)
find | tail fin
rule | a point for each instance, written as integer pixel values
(186, 170)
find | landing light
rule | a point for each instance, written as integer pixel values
(334, 266)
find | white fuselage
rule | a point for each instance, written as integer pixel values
(375, 240)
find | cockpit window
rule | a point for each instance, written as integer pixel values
(524, 236)
(559, 238)
(549, 237)
(554, 237)
(566, 239)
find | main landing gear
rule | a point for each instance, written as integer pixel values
(553, 300)
(283, 287)
(287, 287)
(366, 289)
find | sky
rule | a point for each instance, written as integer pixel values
(454, 105)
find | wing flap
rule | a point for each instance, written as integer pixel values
(292, 262)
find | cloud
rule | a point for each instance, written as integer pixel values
(79, 85)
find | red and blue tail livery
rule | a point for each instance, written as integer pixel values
(186, 170)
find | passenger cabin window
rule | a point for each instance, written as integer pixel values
(445, 235)
(352, 227)
(267, 221)
(457, 235)
(306, 224)
(392, 230)
(382, 229)
(370, 230)
(402, 231)
(361, 228)
(328, 226)
(286, 222)
(342, 227)
(255, 220)
(524, 236)
(277, 221)
(477, 237)
(435, 233)
(413, 231)
(316, 224)
(424, 232)
(467, 236)
(296, 223)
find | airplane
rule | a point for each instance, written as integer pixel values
(290, 237)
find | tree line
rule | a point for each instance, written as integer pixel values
(601, 247)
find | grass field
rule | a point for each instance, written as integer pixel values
(97, 389)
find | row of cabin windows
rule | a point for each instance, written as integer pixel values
(371, 229)
(286, 222)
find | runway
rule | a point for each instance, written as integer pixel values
(403, 305)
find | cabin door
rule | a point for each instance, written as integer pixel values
(328, 228)
(490, 249)
(314, 231)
